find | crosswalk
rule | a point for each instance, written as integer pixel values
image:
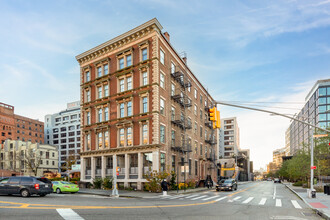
(233, 199)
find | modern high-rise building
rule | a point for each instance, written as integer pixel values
(62, 129)
(316, 111)
(277, 157)
(287, 142)
(143, 109)
(229, 144)
(16, 127)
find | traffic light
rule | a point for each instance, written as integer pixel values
(212, 114)
(218, 124)
(117, 171)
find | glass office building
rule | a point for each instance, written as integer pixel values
(316, 111)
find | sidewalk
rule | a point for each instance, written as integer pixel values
(320, 204)
(141, 194)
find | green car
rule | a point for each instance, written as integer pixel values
(64, 186)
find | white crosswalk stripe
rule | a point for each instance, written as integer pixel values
(198, 197)
(68, 214)
(248, 200)
(177, 196)
(212, 197)
(221, 198)
(295, 204)
(237, 198)
(262, 201)
(192, 196)
(278, 203)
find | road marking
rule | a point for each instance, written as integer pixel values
(176, 197)
(262, 201)
(278, 203)
(210, 198)
(274, 192)
(192, 196)
(220, 198)
(238, 197)
(198, 197)
(248, 200)
(295, 204)
(68, 214)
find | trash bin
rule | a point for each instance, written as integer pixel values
(325, 189)
(313, 193)
(328, 191)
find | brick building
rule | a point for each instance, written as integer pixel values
(143, 109)
(16, 127)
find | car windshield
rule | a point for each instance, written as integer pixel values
(228, 181)
(44, 180)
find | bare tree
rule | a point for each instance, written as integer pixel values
(30, 159)
(71, 160)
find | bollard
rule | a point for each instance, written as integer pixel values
(313, 193)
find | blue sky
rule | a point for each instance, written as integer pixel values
(267, 51)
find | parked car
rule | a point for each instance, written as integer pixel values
(64, 186)
(277, 180)
(269, 179)
(228, 184)
(25, 186)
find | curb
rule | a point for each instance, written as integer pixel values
(319, 212)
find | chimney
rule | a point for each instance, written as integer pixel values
(167, 36)
(184, 59)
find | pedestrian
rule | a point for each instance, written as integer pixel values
(164, 186)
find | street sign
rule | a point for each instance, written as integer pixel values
(313, 167)
(320, 135)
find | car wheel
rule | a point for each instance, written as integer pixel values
(58, 191)
(42, 195)
(25, 193)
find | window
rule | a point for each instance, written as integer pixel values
(322, 91)
(106, 90)
(129, 108)
(172, 89)
(173, 138)
(162, 162)
(129, 137)
(201, 150)
(196, 167)
(99, 92)
(88, 96)
(173, 163)
(195, 128)
(88, 78)
(189, 86)
(121, 63)
(88, 118)
(162, 57)
(196, 147)
(121, 137)
(144, 104)
(106, 139)
(144, 134)
(201, 114)
(100, 140)
(106, 114)
(122, 110)
(144, 78)
(162, 80)
(106, 69)
(99, 71)
(88, 142)
(100, 115)
(121, 85)
(172, 68)
(128, 60)
(129, 83)
(201, 132)
(172, 113)
(144, 54)
(201, 99)
(195, 93)
(162, 106)
(162, 134)
(195, 109)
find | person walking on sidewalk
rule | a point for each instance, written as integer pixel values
(164, 186)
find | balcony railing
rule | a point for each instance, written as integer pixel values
(181, 122)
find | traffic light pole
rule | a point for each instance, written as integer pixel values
(292, 118)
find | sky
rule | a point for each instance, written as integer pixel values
(268, 53)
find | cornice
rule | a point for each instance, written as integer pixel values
(119, 41)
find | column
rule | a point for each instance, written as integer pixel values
(114, 165)
(103, 166)
(155, 161)
(127, 168)
(140, 167)
(82, 169)
(92, 168)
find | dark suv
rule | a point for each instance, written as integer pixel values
(25, 186)
(228, 184)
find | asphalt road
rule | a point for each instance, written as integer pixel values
(257, 200)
